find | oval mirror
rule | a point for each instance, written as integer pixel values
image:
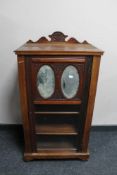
(70, 81)
(45, 81)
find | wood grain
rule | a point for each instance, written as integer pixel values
(57, 155)
(24, 103)
(58, 49)
(57, 102)
(59, 60)
(56, 129)
(91, 101)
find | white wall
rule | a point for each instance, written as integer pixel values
(93, 20)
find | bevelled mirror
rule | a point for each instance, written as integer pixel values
(45, 81)
(70, 82)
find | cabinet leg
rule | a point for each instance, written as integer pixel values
(27, 157)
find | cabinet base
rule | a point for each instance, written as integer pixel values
(78, 155)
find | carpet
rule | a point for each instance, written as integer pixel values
(102, 161)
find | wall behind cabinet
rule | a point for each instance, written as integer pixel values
(94, 20)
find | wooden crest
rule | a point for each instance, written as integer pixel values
(57, 37)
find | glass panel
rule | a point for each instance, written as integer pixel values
(70, 82)
(46, 81)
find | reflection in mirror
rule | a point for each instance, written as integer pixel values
(46, 81)
(70, 81)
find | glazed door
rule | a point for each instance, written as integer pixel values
(58, 79)
(58, 89)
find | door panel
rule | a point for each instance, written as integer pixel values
(58, 69)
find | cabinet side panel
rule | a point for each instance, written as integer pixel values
(91, 101)
(24, 103)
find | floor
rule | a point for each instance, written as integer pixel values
(102, 161)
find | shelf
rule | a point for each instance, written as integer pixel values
(61, 146)
(57, 150)
(57, 112)
(64, 143)
(56, 129)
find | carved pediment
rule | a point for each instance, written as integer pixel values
(57, 37)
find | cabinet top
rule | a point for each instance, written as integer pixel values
(58, 44)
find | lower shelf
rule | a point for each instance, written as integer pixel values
(55, 146)
(57, 143)
(56, 155)
(57, 151)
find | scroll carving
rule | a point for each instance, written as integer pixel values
(57, 37)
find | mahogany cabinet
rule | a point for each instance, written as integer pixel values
(57, 80)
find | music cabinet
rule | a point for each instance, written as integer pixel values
(57, 82)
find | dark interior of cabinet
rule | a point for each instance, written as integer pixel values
(56, 127)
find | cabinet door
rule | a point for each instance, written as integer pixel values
(61, 84)
(56, 79)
